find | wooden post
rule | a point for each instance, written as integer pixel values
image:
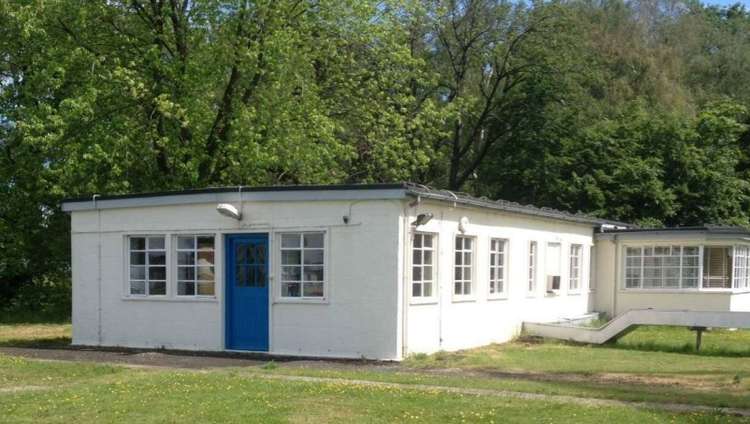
(698, 337)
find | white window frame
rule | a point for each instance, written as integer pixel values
(532, 270)
(434, 265)
(501, 277)
(549, 290)
(591, 267)
(624, 261)
(278, 237)
(472, 269)
(575, 263)
(175, 251)
(128, 252)
(741, 267)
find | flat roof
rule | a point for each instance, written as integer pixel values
(707, 230)
(320, 192)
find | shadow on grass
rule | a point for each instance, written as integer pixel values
(51, 342)
(685, 348)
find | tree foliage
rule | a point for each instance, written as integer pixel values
(634, 110)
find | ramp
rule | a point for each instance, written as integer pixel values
(628, 321)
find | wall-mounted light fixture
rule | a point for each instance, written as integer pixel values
(422, 219)
(229, 211)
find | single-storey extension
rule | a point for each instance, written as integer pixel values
(376, 271)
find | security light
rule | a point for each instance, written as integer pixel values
(229, 211)
(422, 219)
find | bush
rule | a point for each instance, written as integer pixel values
(44, 299)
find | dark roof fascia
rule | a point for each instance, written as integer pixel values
(507, 206)
(235, 189)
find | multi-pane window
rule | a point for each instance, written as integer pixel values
(717, 267)
(195, 265)
(574, 276)
(662, 267)
(463, 266)
(303, 265)
(422, 273)
(497, 266)
(741, 267)
(148, 266)
(532, 267)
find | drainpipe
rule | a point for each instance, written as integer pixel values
(617, 275)
(405, 280)
(99, 269)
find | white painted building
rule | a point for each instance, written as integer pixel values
(375, 271)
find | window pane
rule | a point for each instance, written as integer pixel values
(416, 289)
(467, 273)
(137, 272)
(186, 273)
(416, 257)
(205, 289)
(313, 290)
(459, 243)
(205, 258)
(427, 273)
(206, 273)
(428, 240)
(416, 273)
(185, 258)
(291, 273)
(314, 240)
(156, 243)
(291, 257)
(467, 287)
(313, 273)
(290, 240)
(137, 258)
(205, 243)
(314, 257)
(185, 288)
(467, 258)
(459, 258)
(186, 243)
(427, 289)
(427, 255)
(137, 287)
(457, 288)
(417, 240)
(157, 258)
(157, 273)
(137, 243)
(290, 289)
(157, 287)
(457, 273)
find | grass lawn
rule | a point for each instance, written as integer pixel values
(115, 394)
(31, 390)
(34, 334)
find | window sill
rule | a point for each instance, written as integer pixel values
(679, 291)
(185, 299)
(458, 299)
(282, 301)
(574, 293)
(429, 301)
(496, 297)
(555, 293)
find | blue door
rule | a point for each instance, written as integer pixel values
(247, 291)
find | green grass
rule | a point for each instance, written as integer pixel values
(25, 335)
(717, 342)
(611, 372)
(150, 396)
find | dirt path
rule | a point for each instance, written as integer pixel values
(253, 365)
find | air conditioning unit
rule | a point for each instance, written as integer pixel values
(553, 283)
